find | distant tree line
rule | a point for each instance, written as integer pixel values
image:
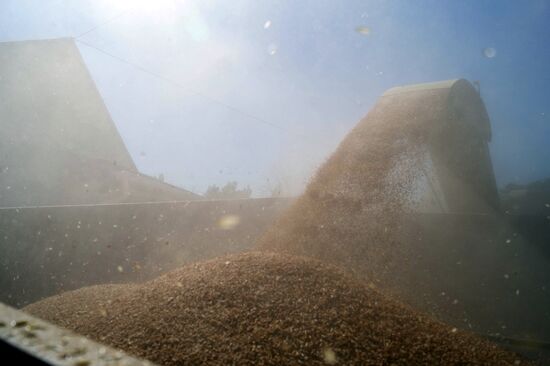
(229, 191)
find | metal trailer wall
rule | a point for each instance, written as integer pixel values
(485, 273)
(48, 250)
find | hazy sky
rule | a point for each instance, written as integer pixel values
(261, 92)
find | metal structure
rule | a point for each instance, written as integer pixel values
(59, 144)
(458, 173)
(27, 340)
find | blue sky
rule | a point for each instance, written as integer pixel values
(267, 104)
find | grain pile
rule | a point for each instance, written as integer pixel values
(260, 308)
(351, 211)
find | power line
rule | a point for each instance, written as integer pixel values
(181, 86)
(170, 81)
(103, 23)
(158, 76)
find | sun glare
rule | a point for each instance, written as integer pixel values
(160, 10)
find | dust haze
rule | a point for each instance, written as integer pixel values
(211, 183)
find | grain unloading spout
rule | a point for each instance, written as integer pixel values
(457, 171)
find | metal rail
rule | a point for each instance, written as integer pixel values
(26, 340)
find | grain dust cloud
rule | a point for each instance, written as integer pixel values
(277, 183)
